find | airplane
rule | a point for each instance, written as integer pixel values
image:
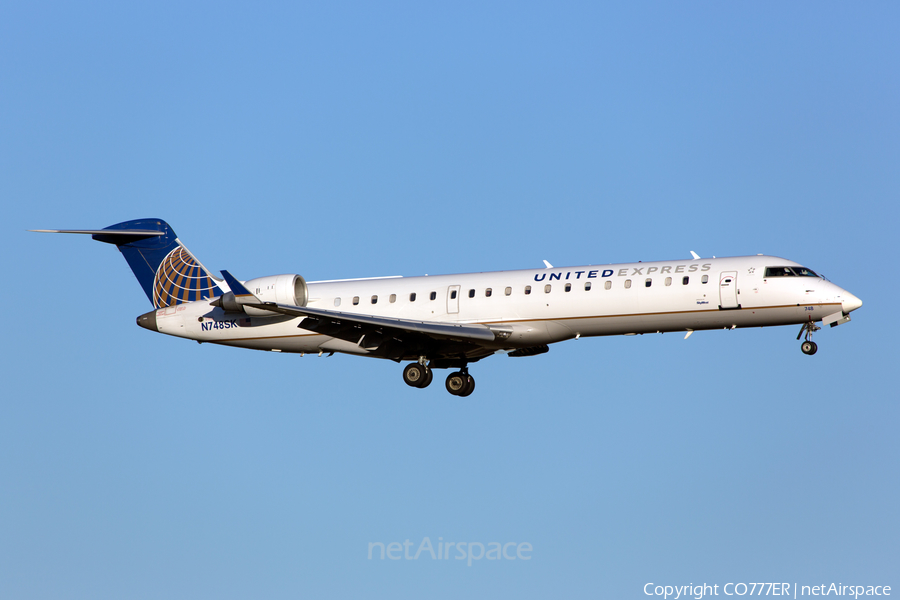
(451, 321)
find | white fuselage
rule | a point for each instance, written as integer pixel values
(541, 306)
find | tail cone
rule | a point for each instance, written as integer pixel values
(148, 321)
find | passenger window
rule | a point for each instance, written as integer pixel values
(433, 295)
(547, 289)
(374, 299)
(568, 287)
(608, 285)
(648, 283)
(587, 286)
(508, 291)
(685, 280)
(627, 284)
(471, 293)
(412, 297)
(337, 301)
(393, 298)
(487, 292)
(668, 281)
(704, 279)
(527, 290)
(355, 300)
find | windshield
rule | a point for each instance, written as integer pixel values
(790, 272)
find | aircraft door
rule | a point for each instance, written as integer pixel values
(728, 290)
(453, 300)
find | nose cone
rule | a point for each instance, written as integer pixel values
(850, 302)
(148, 320)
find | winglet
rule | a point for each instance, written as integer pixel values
(237, 288)
(694, 254)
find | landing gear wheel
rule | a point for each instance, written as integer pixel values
(809, 348)
(428, 378)
(457, 383)
(470, 386)
(416, 375)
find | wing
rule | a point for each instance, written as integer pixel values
(387, 337)
(398, 339)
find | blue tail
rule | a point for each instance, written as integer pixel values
(166, 270)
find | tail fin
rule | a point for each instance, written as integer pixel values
(166, 270)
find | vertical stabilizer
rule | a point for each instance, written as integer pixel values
(166, 270)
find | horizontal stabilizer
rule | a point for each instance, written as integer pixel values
(137, 232)
(114, 236)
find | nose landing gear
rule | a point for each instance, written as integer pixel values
(808, 346)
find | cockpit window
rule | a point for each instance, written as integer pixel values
(790, 272)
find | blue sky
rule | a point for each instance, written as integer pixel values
(359, 140)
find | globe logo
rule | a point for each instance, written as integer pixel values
(180, 279)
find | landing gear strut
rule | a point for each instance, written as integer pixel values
(808, 346)
(460, 383)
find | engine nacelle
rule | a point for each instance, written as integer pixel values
(280, 289)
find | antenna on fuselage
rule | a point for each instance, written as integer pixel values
(548, 265)
(694, 254)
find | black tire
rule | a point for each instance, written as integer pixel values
(456, 383)
(470, 386)
(428, 377)
(809, 348)
(415, 375)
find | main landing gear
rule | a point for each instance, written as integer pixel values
(808, 346)
(419, 375)
(460, 383)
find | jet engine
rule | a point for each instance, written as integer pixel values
(280, 289)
